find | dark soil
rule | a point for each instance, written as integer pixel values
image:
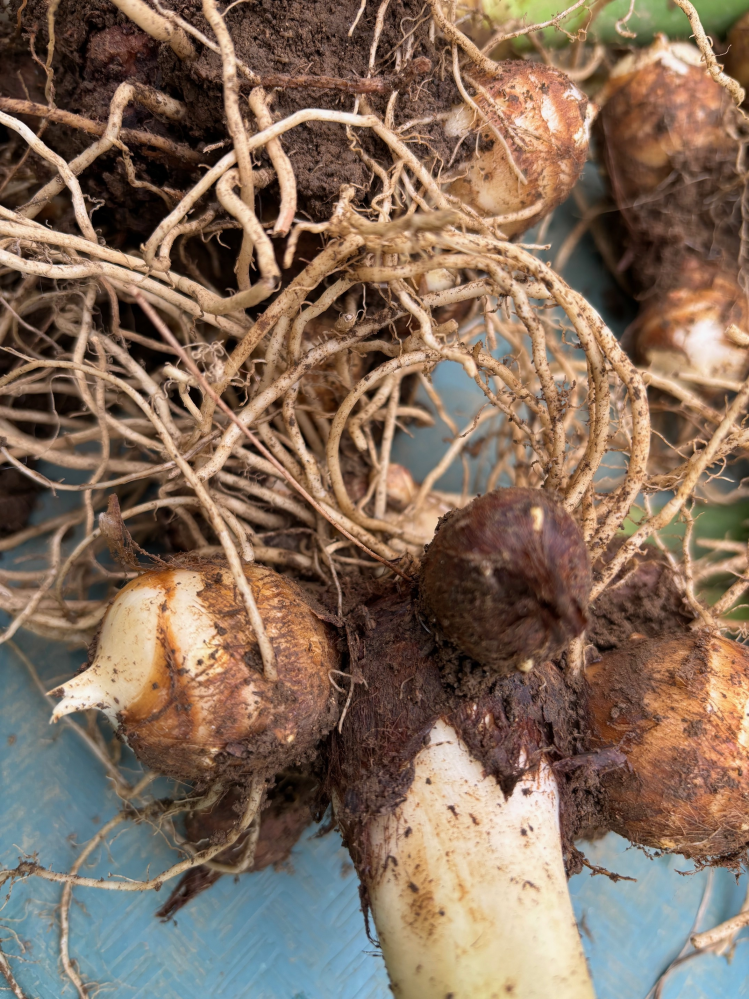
(284, 818)
(644, 600)
(406, 680)
(97, 48)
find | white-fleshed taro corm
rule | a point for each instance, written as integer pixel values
(524, 153)
(178, 671)
(697, 328)
(470, 889)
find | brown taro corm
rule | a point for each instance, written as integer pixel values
(540, 128)
(668, 137)
(678, 709)
(507, 579)
(177, 669)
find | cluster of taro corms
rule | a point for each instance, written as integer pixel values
(468, 708)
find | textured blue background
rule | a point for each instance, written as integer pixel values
(297, 934)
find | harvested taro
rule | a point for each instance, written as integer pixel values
(239, 249)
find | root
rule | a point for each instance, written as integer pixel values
(724, 932)
(705, 45)
(503, 35)
(133, 135)
(157, 27)
(259, 446)
(258, 101)
(31, 869)
(252, 230)
(693, 472)
(7, 973)
(458, 38)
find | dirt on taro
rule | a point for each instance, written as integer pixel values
(97, 48)
(409, 679)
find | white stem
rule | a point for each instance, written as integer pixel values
(470, 896)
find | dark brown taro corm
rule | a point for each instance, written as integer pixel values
(507, 579)
(677, 708)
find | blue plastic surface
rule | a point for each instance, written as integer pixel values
(297, 934)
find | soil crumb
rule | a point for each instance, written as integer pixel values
(645, 599)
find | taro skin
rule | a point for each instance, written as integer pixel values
(679, 709)
(507, 579)
(669, 141)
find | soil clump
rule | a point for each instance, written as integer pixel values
(97, 48)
